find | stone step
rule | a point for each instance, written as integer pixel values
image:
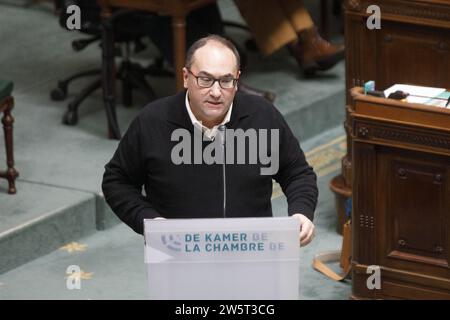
(40, 219)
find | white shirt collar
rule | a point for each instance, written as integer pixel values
(209, 133)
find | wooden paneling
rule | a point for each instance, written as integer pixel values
(398, 154)
(401, 203)
(412, 46)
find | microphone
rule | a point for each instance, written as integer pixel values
(222, 129)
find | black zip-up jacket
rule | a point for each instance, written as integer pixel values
(143, 158)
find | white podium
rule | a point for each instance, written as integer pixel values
(233, 258)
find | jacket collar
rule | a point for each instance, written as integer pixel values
(178, 115)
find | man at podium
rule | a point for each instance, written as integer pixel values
(209, 151)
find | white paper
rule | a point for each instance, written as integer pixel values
(417, 94)
(437, 103)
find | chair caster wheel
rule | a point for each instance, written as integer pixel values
(58, 94)
(70, 118)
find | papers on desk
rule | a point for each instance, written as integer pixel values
(440, 100)
(437, 103)
(423, 95)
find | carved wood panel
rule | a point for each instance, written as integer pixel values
(411, 54)
(413, 209)
(364, 205)
(404, 135)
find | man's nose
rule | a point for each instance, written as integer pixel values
(215, 90)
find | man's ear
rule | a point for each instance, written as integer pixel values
(185, 77)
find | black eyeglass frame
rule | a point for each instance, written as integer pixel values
(235, 80)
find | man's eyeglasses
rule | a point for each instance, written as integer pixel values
(208, 82)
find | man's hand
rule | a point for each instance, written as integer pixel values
(306, 229)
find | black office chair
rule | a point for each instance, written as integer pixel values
(132, 75)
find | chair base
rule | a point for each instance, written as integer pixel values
(132, 76)
(60, 92)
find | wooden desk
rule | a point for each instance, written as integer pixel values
(177, 9)
(401, 203)
(412, 46)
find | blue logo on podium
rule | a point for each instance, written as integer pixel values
(173, 242)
